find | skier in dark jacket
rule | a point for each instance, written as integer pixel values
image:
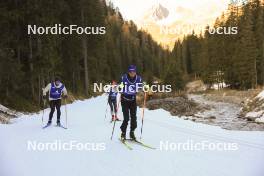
(56, 90)
(112, 100)
(130, 83)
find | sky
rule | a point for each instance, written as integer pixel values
(134, 9)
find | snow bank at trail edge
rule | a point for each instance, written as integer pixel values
(87, 125)
(6, 114)
(255, 108)
(260, 96)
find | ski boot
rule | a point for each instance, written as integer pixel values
(113, 118)
(123, 136)
(58, 124)
(116, 118)
(49, 123)
(132, 136)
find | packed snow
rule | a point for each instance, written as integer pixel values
(260, 96)
(4, 109)
(219, 86)
(260, 120)
(86, 124)
(257, 113)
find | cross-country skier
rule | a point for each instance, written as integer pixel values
(112, 100)
(56, 90)
(130, 82)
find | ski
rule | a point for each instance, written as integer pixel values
(61, 126)
(126, 144)
(46, 126)
(115, 120)
(141, 143)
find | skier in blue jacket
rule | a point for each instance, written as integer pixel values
(130, 83)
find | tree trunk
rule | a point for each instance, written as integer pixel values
(18, 55)
(39, 90)
(73, 82)
(31, 67)
(85, 56)
(86, 80)
(40, 85)
(263, 60)
(7, 90)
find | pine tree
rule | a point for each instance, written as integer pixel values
(245, 61)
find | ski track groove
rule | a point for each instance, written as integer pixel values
(207, 135)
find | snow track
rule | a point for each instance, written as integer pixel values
(86, 123)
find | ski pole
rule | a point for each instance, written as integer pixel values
(44, 104)
(66, 116)
(106, 109)
(113, 130)
(118, 105)
(115, 119)
(143, 111)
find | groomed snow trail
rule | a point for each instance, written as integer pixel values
(87, 125)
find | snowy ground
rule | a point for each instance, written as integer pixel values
(87, 125)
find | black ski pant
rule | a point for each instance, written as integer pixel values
(55, 104)
(129, 109)
(113, 105)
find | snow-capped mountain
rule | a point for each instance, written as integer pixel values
(162, 23)
(159, 12)
(167, 23)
